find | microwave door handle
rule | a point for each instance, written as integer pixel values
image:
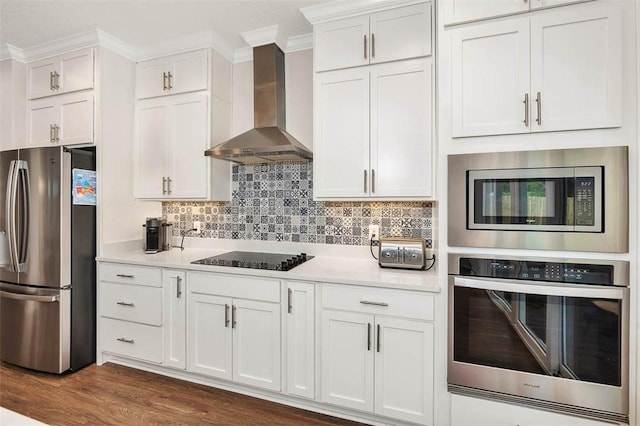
(534, 287)
(25, 183)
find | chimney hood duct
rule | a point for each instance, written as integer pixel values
(268, 141)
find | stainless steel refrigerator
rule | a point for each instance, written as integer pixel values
(47, 258)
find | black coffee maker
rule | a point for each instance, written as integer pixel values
(156, 235)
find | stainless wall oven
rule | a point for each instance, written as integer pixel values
(571, 199)
(544, 332)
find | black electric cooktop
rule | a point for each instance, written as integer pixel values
(256, 260)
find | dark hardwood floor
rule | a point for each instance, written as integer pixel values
(117, 395)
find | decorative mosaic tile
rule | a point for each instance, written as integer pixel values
(274, 202)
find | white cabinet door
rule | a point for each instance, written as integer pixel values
(152, 148)
(490, 78)
(43, 115)
(76, 118)
(404, 369)
(172, 74)
(341, 127)
(152, 78)
(190, 72)
(458, 11)
(401, 146)
(347, 359)
(576, 69)
(67, 73)
(256, 343)
(175, 319)
(341, 44)
(187, 165)
(64, 120)
(209, 334)
(300, 363)
(401, 33)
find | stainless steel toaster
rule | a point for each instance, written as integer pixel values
(395, 252)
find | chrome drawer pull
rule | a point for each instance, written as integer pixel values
(122, 339)
(367, 302)
(124, 276)
(289, 305)
(125, 304)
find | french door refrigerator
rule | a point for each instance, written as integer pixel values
(47, 258)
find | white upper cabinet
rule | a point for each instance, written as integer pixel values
(458, 11)
(389, 35)
(61, 74)
(373, 135)
(186, 72)
(61, 120)
(553, 71)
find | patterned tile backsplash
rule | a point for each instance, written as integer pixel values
(274, 202)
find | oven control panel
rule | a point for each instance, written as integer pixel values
(537, 271)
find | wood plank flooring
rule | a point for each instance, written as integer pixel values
(115, 395)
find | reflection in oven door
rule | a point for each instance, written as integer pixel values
(556, 339)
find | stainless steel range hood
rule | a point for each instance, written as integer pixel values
(268, 141)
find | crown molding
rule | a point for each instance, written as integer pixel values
(201, 40)
(339, 9)
(294, 44)
(266, 35)
(9, 51)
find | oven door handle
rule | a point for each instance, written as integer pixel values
(544, 289)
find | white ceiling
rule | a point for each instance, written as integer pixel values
(141, 23)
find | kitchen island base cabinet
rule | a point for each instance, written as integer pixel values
(234, 338)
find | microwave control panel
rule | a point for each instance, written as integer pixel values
(584, 205)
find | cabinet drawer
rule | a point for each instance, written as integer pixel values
(130, 274)
(131, 339)
(131, 303)
(267, 290)
(397, 303)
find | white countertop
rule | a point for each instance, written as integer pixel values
(348, 268)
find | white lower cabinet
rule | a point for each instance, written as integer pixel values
(300, 338)
(230, 336)
(174, 353)
(374, 361)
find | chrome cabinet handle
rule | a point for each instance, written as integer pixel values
(164, 185)
(124, 276)
(365, 181)
(52, 138)
(129, 304)
(56, 129)
(233, 316)
(122, 339)
(289, 306)
(365, 46)
(56, 80)
(373, 45)
(168, 185)
(539, 107)
(169, 77)
(51, 83)
(226, 315)
(368, 336)
(378, 338)
(368, 302)
(178, 287)
(526, 109)
(164, 81)
(373, 180)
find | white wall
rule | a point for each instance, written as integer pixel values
(120, 216)
(299, 96)
(12, 104)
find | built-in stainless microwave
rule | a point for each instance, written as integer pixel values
(571, 199)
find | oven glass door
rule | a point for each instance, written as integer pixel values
(558, 199)
(560, 331)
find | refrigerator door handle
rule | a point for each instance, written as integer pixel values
(25, 182)
(29, 297)
(12, 183)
